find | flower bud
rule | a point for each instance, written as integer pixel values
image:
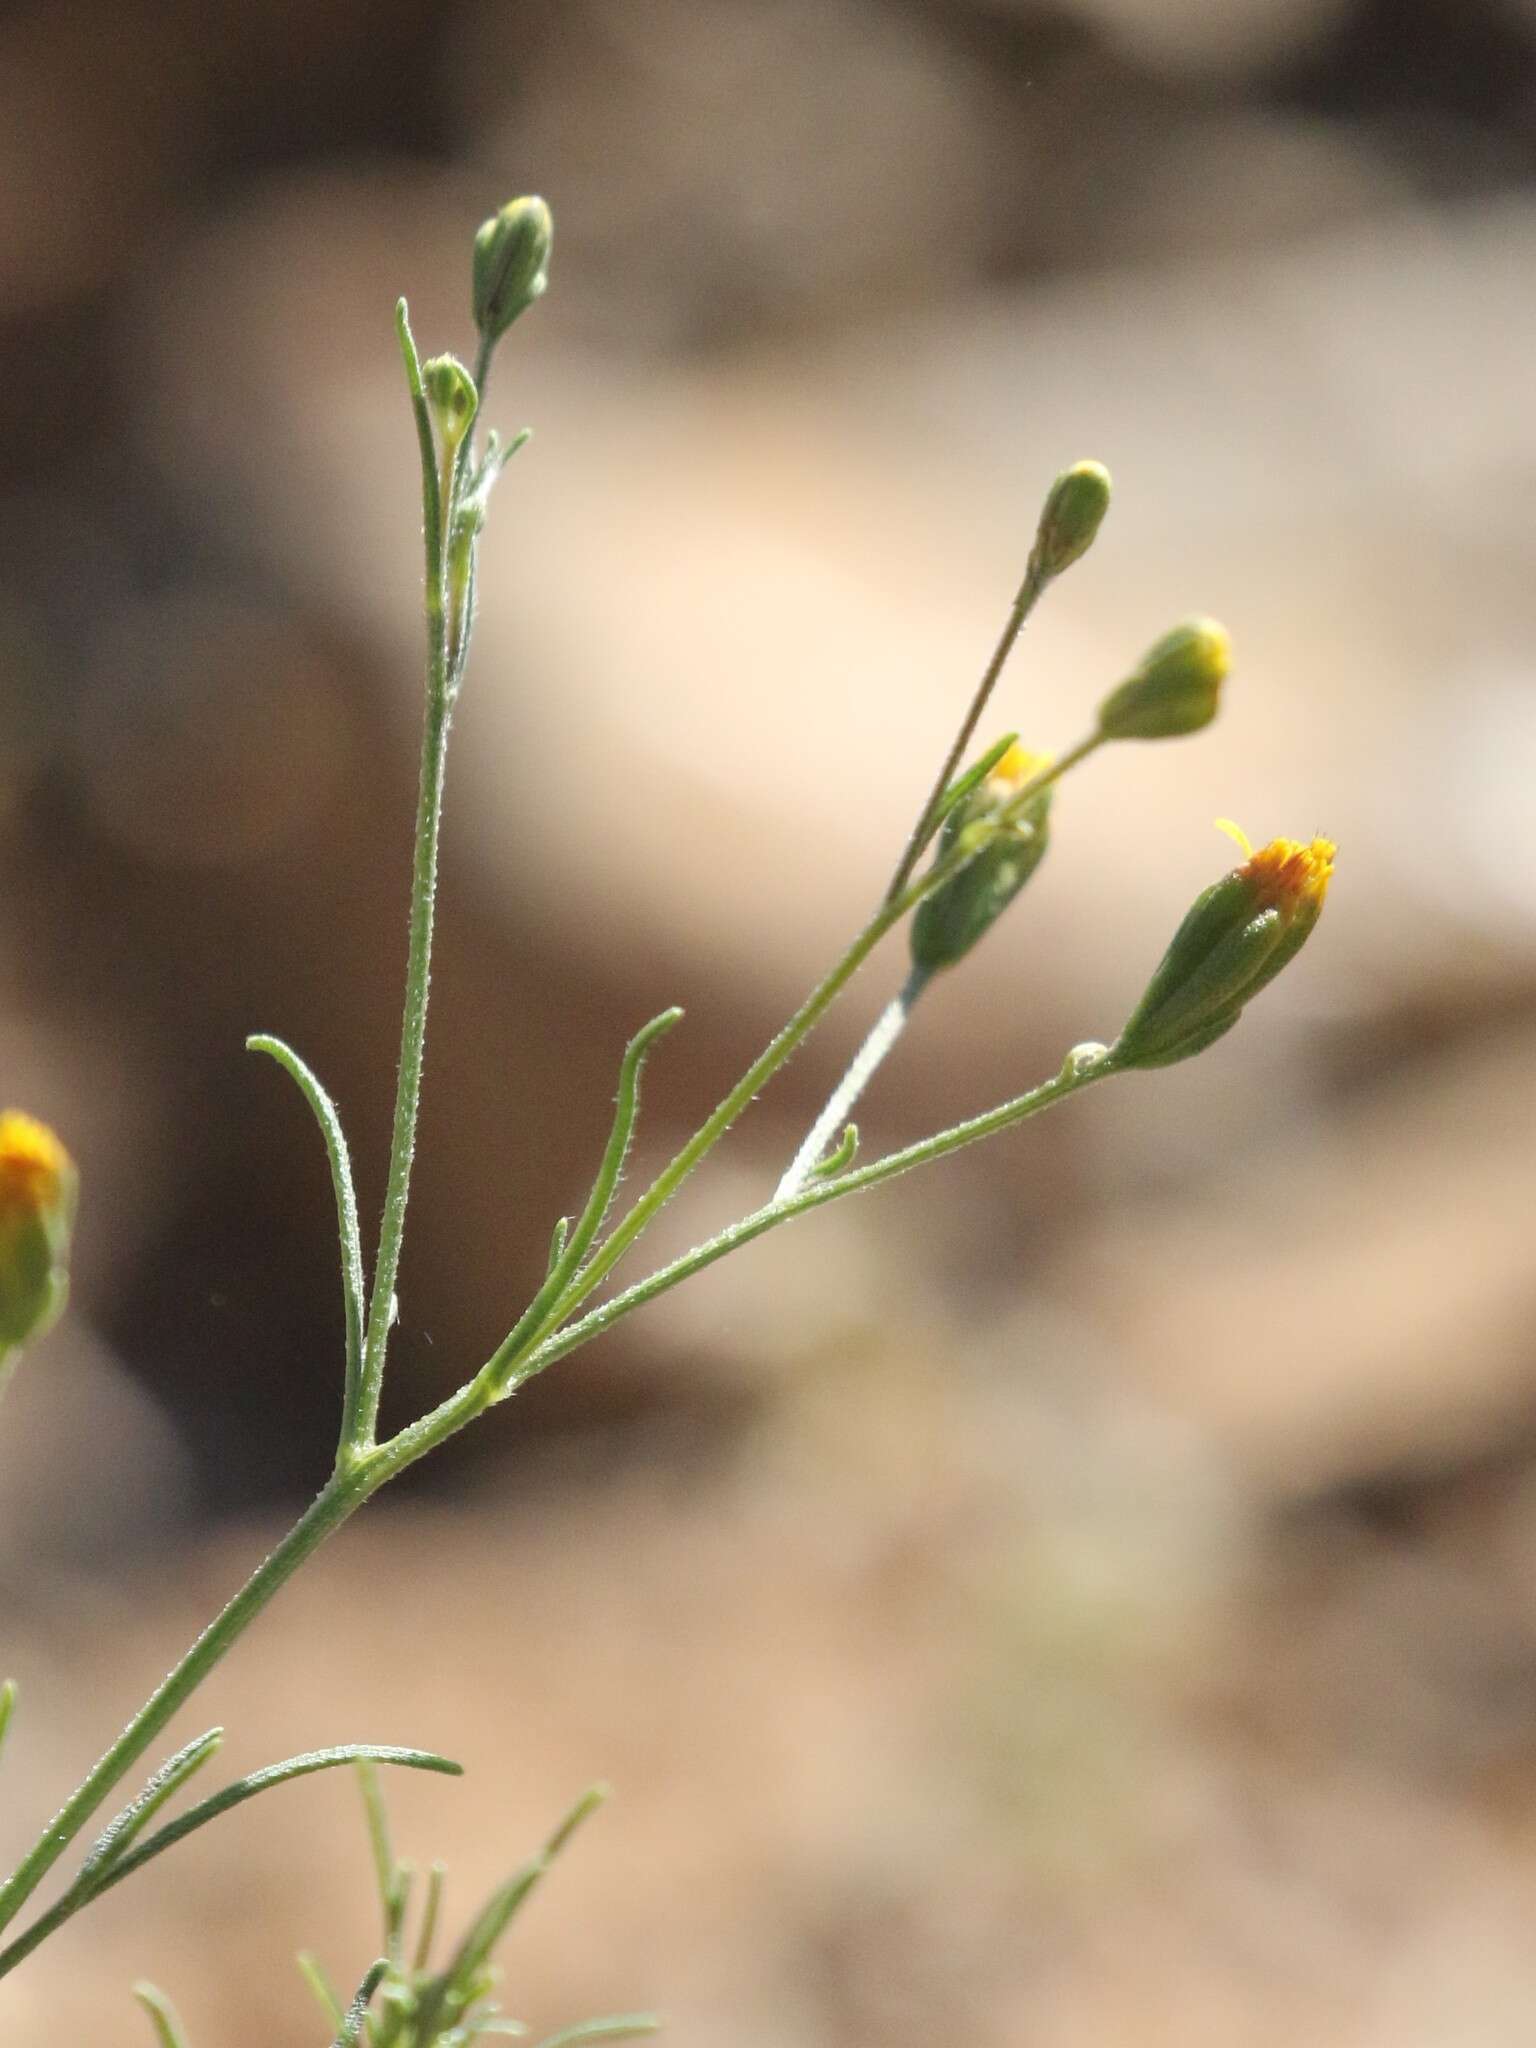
(511, 264)
(450, 392)
(1176, 687)
(1234, 941)
(1070, 519)
(37, 1206)
(948, 923)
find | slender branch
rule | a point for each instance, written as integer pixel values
(1078, 1073)
(1035, 580)
(524, 1338)
(331, 1507)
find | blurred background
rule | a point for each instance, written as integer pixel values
(1083, 1594)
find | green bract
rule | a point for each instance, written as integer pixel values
(948, 923)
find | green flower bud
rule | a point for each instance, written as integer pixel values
(37, 1207)
(948, 923)
(452, 396)
(1234, 941)
(511, 264)
(1176, 687)
(1073, 512)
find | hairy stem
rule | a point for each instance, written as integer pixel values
(1028, 597)
(883, 1034)
(1073, 1077)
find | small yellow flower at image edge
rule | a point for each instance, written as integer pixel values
(37, 1204)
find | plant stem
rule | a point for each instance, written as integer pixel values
(336, 1503)
(1028, 597)
(522, 1339)
(331, 1507)
(1070, 1081)
(884, 1032)
(358, 1434)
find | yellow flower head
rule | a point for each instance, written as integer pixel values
(37, 1208)
(1289, 875)
(34, 1167)
(1236, 938)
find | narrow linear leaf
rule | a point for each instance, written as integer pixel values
(625, 1113)
(325, 1115)
(579, 1242)
(327, 1997)
(119, 1834)
(162, 2016)
(841, 1158)
(448, 1996)
(973, 777)
(431, 1911)
(7, 1708)
(262, 1781)
(557, 1242)
(348, 2033)
(504, 1903)
(385, 1869)
(619, 2026)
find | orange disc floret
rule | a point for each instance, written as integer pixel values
(1286, 875)
(33, 1165)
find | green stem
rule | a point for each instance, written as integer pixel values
(418, 975)
(523, 1339)
(1024, 603)
(331, 1507)
(360, 1469)
(337, 1502)
(1073, 1077)
(862, 1068)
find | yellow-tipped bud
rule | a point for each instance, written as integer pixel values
(37, 1209)
(1234, 941)
(450, 392)
(948, 923)
(1071, 517)
(1176, 687)
(511, 264)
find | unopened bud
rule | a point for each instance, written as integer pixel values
(511, 264)
(37, 1208)
(948, 923)
(1070, 519)
(1234, 941)
(452, 396)
(1176, 687)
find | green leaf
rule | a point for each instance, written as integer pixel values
(619, 2026)
(119, 1834)
(162, 2016)
(430, 1912)
(325, 1115)
(447, 1997)
(504, 1903)
(626, 1110)
(841, 1157)
(7, 1708)
(348, 2033)
(262, 1781)
(327, 1997)
(972, 779)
